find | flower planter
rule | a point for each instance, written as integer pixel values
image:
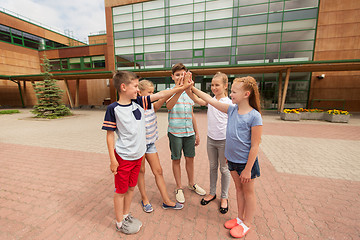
(336, 118)
(290, 116)
(312, 115)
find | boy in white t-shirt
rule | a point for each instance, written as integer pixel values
(126, 118)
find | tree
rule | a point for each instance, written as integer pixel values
(49, 104)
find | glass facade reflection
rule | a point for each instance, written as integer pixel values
(157, 34)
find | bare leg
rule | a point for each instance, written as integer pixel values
(153, 160)
(250, 202)
(141, 183)
(177, 172)
(127, 200)
(190, 170)
(239, 194)
(119, 206)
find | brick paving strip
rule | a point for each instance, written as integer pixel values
(50, 191)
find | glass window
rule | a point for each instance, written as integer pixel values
(275, 17)
(17, 40)
(219, 14)
(242, 3)
(273, 37)
(199, 7)
(198, 17)
(124, 42)
(64, 64)
(75, 63)
(254, 9)
(213, 52)
(154, 56)
(250, 49)
(300, 14)
(181, 37)
(5, 37)
(180, 46)
(224, 32)
(274, 27)
(215, 5)
(294, 4)
(152, 31)
(183, 9)
(297, 46)
(154, 48)
(252, 20)
(152, 5)
(198, 53)
(218, 24)
(122, 9)
(87, 62)
(31, 44)
(154, 22)
(276, 7)
(220, 42)
(199, 44)
(55, 65)
(181, 19)
(298, 35)
(154, 39)
(181, 28)
(253, 39)
(274, 47)
(255, 29)
(98, 61)
(4, 29)
(153, 13)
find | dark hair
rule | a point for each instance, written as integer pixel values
(251, 86)
(177, 67)
(125, 77)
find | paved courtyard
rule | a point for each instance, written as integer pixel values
(55, 182)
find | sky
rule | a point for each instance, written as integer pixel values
(79, 17)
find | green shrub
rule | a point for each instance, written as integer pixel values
(9, 111)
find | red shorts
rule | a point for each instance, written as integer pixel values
(127, 174)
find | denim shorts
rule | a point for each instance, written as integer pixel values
(151, 148)
(239, 167)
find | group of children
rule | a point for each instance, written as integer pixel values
(233, 138)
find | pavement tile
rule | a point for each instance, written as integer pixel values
(58, 185)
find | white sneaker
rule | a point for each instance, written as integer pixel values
(179, 195)
(196, 188)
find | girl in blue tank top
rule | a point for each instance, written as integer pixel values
(243, 135)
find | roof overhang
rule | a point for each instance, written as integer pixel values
(314, 66)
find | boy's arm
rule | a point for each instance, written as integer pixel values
(157, 105)
(110, 144)
(223, 107)
(197, 136)
(256, 132)
(172, 101)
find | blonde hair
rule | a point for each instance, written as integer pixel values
(224, 79)
(251, 86)
(145, 84)
(121, 77)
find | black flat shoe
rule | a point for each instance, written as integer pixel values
(224, 210)
(205, 202)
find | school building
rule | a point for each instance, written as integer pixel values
(303, 53)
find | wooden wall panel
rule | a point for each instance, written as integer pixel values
(338, 38)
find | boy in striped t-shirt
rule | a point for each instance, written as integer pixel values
(183, 134)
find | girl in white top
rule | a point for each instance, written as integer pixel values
(216, 136)
(146, 88)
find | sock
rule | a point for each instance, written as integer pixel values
(124, 216)
(118, 224)
(246, 228)
(239, 221)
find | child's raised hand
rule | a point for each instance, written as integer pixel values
(188, 82)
